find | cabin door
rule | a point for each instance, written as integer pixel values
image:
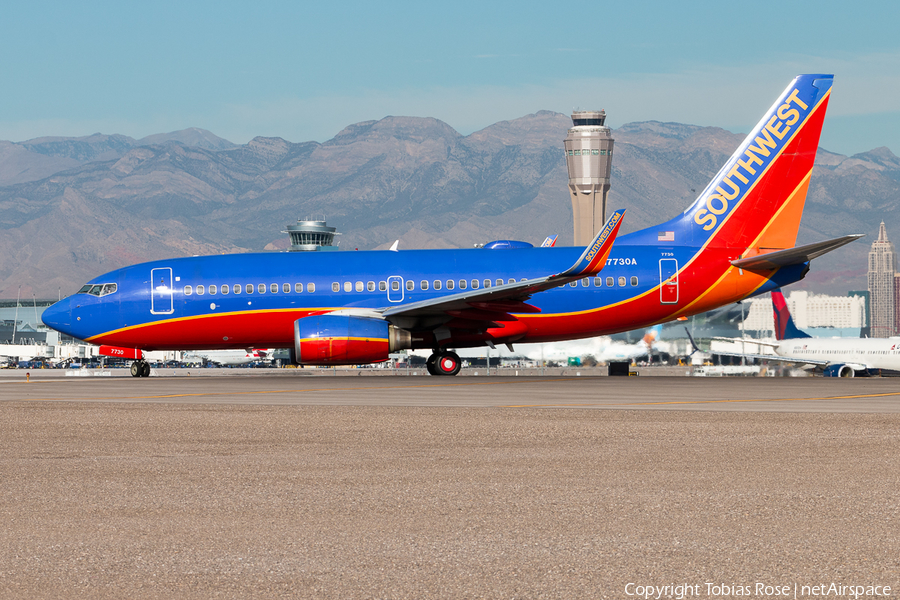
(395, 288)
(161, 291)
(668, 281)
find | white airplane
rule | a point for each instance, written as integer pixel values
(628, 352)
(228, 358)
(837, 357)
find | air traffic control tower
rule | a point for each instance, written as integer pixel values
(589, 149)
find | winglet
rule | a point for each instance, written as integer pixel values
(693, 343)
(395, 245)
(550, 241)
(594, 257)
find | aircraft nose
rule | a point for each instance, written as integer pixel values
(58, 316)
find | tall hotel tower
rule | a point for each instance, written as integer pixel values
(882, 266)
(589, 149)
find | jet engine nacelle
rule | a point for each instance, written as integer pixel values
(346, 340)
(839, 371)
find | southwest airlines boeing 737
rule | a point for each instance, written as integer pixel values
(331, 308)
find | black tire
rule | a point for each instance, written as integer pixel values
(430, 364)
(145, 369)
(448, 363)
(136, 369)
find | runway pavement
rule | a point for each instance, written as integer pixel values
(639, 393)
(355, 487)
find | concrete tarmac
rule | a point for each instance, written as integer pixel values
(808, 394)
(415, 487)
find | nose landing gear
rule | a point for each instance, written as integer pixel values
(140, 368)
(443, 363)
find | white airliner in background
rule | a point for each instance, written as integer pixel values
(627, 352)
(228, 358)
(838, 357)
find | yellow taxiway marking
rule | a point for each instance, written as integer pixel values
(292, 391)
(710, 401)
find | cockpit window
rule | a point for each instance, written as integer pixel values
(99, 289)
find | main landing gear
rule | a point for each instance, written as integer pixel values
(140, 368)
(443, 363)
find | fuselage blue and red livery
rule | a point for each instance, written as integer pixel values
(736, 240)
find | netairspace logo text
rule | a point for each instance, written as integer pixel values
(759, 590)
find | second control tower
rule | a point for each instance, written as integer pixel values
(589, 149)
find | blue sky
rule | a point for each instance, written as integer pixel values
(303, 71)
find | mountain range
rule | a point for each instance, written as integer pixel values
(73, 208)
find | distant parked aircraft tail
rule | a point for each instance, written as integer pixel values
(784, 324)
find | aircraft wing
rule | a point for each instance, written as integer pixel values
(746, 341)
(775, 357)
(511, 297)
(793, 256)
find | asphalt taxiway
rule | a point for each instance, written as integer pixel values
(416, 487)
(809, 394)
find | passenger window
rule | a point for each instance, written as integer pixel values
(213, 290)
(382, 286)
(370, 286)
(498, 282)
(511, 280)
(487, 283)
(573, 283)
(298, 288)
(261, 288)
(598, 282)
(610, 282)
(462, 284)
(248, 288)
(585, 282)
(395, 285)
(621, 282)
(474, 284)
(335, 287)
(424, 285)
(237, 288)
(360, 286)
(437, 284)
(201, 290)
(188, 290)
(310, 287)
(273, 288)
(410, 285)
(451, 284)
(634, 281)
(224, 290)
(286, 288)
(348, 287)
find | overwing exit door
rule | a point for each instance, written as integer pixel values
(395, 288)
(668, 281)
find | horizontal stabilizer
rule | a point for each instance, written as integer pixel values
(792, 256)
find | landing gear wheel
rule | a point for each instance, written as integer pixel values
(140, 368)
(430, 364)
(447, 363)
